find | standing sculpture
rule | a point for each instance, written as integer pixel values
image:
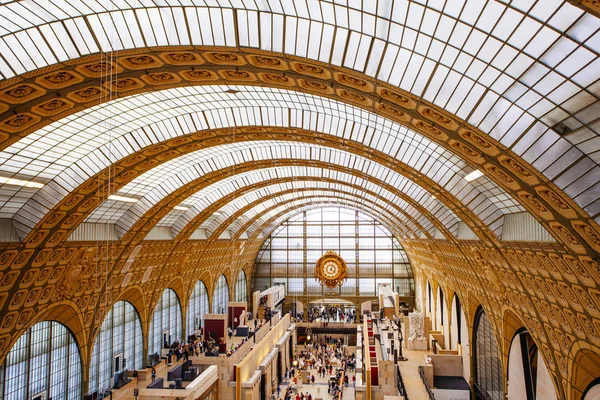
(243, 318)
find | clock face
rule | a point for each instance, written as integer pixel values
(331, 270)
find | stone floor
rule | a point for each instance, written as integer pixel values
(410, 373)
(319, 388)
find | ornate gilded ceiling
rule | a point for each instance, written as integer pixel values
(235, 115)
(111, 106)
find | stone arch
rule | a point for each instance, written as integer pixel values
(135, 296)
(583, 368)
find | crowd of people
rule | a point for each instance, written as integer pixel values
(326, 358)
(185, 350)
(331, 314)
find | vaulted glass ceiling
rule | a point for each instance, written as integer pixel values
(173, 174)
(282, 207)
(500, 65)
(73, 149)
(513, 69)
(292, 176)
(298, 189)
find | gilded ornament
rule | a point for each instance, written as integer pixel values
(88, 92)
(140, 60)
(272, 62)
(59, 78)
(18, 120)
(182, 57)
(20, 91)
(309, 69)
(331, 270)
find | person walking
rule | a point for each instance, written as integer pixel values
(153, 374)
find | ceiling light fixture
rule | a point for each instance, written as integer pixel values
(180, 208)
(122, 198)
(473, 175)
(19, 182)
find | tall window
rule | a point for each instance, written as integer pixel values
(372, 254)
(489, 378)
(241, 291)
(45, 359)
(166, 322)
(120, 337)
(197, 307)
(220, 296)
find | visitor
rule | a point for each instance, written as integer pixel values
(229, 332)
(153, 374)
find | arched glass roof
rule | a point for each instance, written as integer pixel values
(124, 214)
(182, 170)
(290, 177)
(272, 226)
(73, 149)
(281, 207)
(297, 189)
(499, 65)
(524, 72)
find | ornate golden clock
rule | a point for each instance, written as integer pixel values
(331, 270)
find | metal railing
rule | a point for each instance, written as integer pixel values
(401, 387)
(427, 387)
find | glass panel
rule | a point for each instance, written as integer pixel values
(489, 367)
(382, 263)
(220, 296)
(165, 327)
(197, 307)
(44, 359)
(241, 291)
(120, 334)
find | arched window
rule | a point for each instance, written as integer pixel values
(197, 307)
(165, 327)
(220, 296)
(429, 298)
(372, 254)
(45, 361)
(488, 368)
(528, 377)
(241, 291)
(119, 342)
(440, 313)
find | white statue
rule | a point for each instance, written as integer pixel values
(417, 338)
(243, 318)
